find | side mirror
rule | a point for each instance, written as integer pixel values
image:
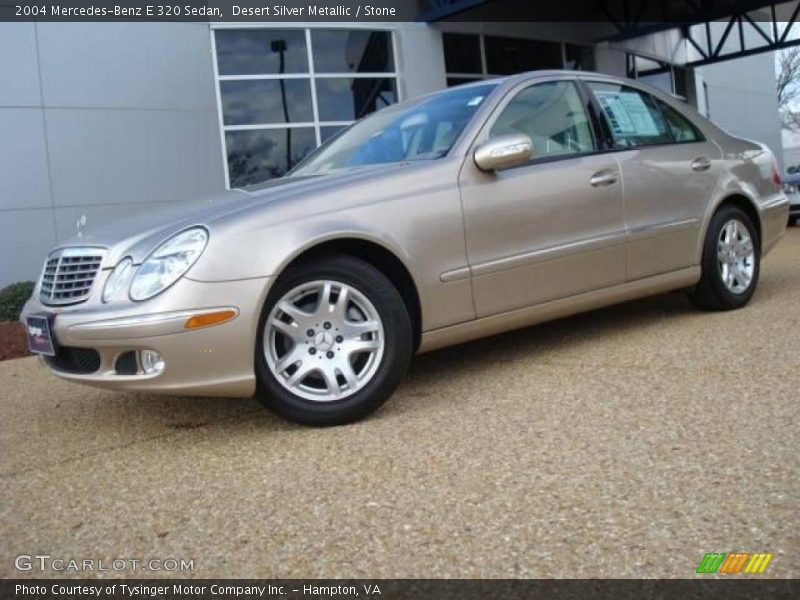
(504, 151)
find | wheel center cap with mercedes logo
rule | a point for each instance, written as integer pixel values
(323, 341)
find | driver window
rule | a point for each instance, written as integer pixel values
(552, 115)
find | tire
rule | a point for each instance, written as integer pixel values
(322, 394)
(714, 291)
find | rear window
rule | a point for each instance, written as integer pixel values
(679, 126)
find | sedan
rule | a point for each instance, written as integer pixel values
(454, 216)
(790, 185)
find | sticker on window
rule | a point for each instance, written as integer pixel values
(475, 101)
(627, 113)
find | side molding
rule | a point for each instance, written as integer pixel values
(471, 330)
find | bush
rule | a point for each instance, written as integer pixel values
(13, 298)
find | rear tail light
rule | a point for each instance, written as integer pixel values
(776, 174)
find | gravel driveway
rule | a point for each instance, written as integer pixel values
(626, 442)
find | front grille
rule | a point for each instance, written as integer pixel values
(69, 274)
(80, 361)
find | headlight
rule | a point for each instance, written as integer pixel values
(168, 263)
(118, 278)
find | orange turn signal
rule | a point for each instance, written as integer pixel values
(210, 318)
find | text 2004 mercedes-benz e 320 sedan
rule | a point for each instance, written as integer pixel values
(457, 215)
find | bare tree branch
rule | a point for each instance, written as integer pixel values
(789, 87)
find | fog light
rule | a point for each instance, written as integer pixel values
(152, 362)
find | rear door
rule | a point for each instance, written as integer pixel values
(669, 171)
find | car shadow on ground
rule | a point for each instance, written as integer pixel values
(430, 370)
(539, 340)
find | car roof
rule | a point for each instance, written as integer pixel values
(510, 81)
(565, 73)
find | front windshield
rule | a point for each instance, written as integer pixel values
(422, 130)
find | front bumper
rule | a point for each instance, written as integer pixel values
(216, 360)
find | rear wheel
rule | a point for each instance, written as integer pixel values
(731, 262)
(335, 341)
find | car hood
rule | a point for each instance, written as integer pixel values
(139, 234)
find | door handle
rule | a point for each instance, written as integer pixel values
(604, 178)
(701, 164)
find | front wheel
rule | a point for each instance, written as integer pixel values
(731, 262)
(335, 341)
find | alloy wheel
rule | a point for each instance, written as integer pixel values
(736, 256)
(323, 340)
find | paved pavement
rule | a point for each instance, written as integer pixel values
(623, 443)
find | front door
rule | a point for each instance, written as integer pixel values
(549, 228)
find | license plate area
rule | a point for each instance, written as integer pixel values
(40, 336)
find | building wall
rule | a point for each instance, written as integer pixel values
(741, 96)
(99, 121)
(421, 59)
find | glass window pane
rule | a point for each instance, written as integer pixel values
(648, 66)
(342, 51)
(261, 51)
(341, 99)
(255, 156)
(328, 131)
(253, 102)
(661, 81)
(631, 117)
(462, 53)
(653, 72)
(451, 81)
(505, 56)
(681, 76)
(579, 58)
(552, 115)
(680, 127)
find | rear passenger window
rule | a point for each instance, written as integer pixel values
(631, 117)
(679, 126)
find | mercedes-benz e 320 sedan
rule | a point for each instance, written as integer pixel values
(457, 215)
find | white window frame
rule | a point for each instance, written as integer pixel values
(311, 75)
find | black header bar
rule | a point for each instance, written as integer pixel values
(623, 13)
(391, 589)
